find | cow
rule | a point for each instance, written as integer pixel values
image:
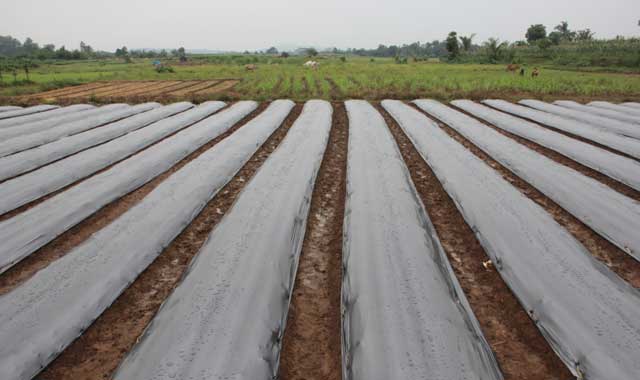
(250, 67)
(535, 73)
(311, 64)
(512, 68)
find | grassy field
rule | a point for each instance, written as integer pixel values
(355, 78)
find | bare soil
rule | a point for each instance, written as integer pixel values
(522, 352)
(312, 342)
(69, 90)
(178, 86)
(220, 87)
(143, 89)
(201, 86)
(103, 91)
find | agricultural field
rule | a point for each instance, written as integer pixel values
(362, 239)
(335, 79)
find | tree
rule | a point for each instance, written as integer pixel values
(122, 52)
(86, 49)
(453, 47)
(311, 52)
(584, 35)
(555, 38)
(565, 33)
(494, 48)
(544, 43)
(182, 54)
(535, 33)
(29, 47)
(27, 64)
(467, 42)
(272, 50)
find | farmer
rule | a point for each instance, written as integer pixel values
(522, 72)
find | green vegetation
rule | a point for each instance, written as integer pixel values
(342, 78)
(573, 65)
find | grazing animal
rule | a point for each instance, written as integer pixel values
(250, 67)
(512, 68)
(522, 72)
(312, 64)
(535, 73)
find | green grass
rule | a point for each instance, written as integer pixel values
(356, 78)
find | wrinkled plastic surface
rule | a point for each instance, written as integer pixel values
(623, 144)
(31, 186)
(582, 115)
(404, 313)
(24, 142)
(64, 298)
(25, 123)
(611, 214)
(226, 319)
(617, 107)
(9, 108)
(613, 165)
(28, 231)
(590, 316)
(21, 162)
(599, 111)
(26, 111)
(54, 119)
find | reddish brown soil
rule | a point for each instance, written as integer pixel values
(176, 87)
(519, 347)
(96, 354)
(116, 87)
(220, 87)
(157, 86)
(312, 345)
(198, 87)
(70, 90)
(616, 259)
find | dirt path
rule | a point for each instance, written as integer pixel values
(521, 350)
(96, 354)
(617, 260)
(312, 345)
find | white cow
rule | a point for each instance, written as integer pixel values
(312, 64)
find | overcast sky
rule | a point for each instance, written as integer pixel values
(257, 24)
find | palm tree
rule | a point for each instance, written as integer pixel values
(467, 42)
(494, 48)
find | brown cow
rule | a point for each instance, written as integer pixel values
(512, 68)
(535, 73)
